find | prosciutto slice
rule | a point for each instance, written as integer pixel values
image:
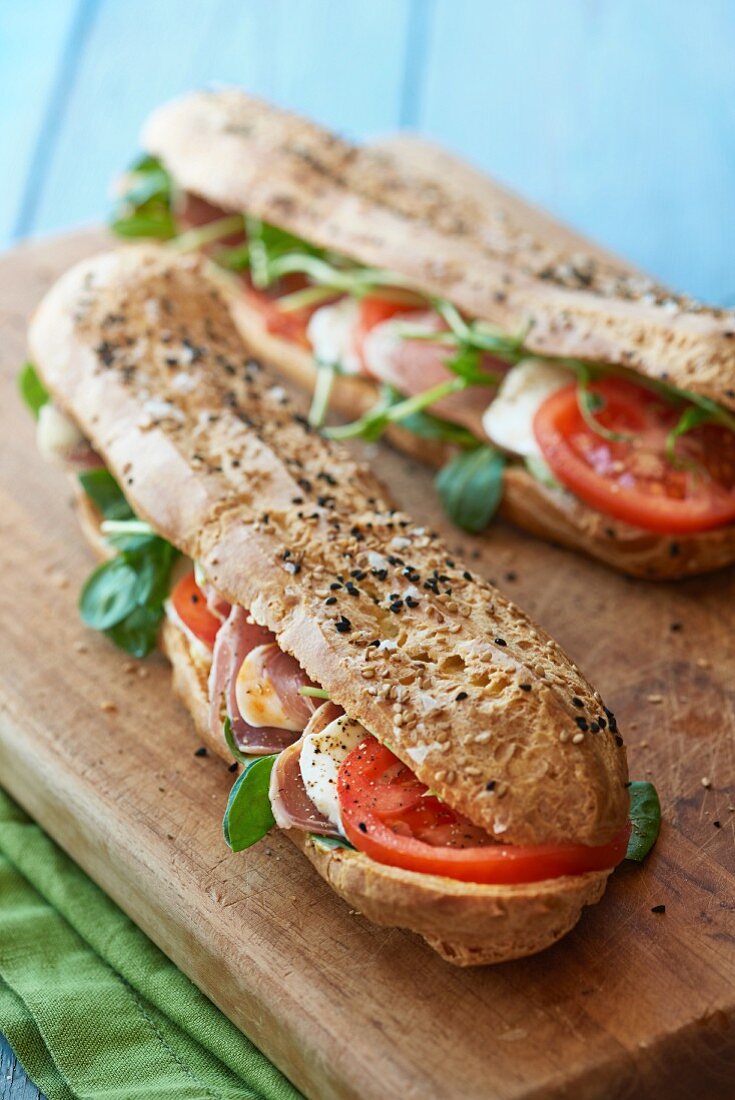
(235, 639)
(413, 366)
(291, 805)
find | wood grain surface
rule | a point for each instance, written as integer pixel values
(632, 1004)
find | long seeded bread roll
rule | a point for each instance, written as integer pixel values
(140, 349)
(549, 512)
(495, 260)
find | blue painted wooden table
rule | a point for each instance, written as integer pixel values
(619, 117)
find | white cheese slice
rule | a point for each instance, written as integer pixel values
(320, 760)
(257, 699)
(198, 649)
(508, 420)
(56, 435)
(330, 332)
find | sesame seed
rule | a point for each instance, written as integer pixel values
(578, 739)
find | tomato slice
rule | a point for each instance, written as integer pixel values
(289, 324)
(190, 604)
(391, 816)
(634, 479)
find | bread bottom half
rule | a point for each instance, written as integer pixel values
(468, 924)
(551, 514)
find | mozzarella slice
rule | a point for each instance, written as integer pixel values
(321, 756)
(508, 420)
(198, 649)
(330, 332)
(57, 436)
(256, 695)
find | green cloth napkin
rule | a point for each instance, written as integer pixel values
(91, 1007)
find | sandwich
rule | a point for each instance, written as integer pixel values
(415, 298)
(436, 756)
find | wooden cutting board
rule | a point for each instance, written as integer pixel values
(631, 1004)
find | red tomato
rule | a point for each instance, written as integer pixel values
(290, 324)
(389, 814)
(634, 480)
(190, 604)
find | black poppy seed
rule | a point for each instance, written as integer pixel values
(330, 600)
(381, 574)
(525, 687)
(500, 641)
(611, 719)
(717, 824)
(658, 908)
(343, 625)
(490, 785)
(334, 586)
(411, 601)
(618, 740)
(601, 722)
(233, 766)
(297, 500)
(467, 575)
(358, 574)
(595, 727)
(201, 751)
(460, 696)
(511, 576)
(375, 642)
(577, 702)
(396, 606)
(353, 591)
(362, 826)
(582, 723)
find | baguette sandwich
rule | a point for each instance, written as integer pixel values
(413, 296)
(436, 756)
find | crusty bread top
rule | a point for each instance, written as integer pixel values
(494, 260)
(141, 350)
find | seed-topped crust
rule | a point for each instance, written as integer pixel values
(139, 347)
(493, 259)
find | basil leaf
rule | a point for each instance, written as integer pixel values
(232, 744)
(645, 818)
(332, 842)
(137, 633)
(109, 594)
(249, 816)
(105, 493)
(146, 207)
(471, 486)
(32, 389)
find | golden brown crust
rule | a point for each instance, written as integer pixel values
(549, 513)
(488, 260)
(140, 348)
(468, 924)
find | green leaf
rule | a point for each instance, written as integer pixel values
(314, 693)
(332, 842)
(325, 376)
(390, 408)
(249, 816)
(146, 207)
(645, 818)
(471, 486)
(32, 389)
(236, 258)
(109, 594)
(137, 634)
(105, 493)
(232, 744)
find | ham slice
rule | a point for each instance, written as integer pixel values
(413, 366)
(235, 639)
(291, 805)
